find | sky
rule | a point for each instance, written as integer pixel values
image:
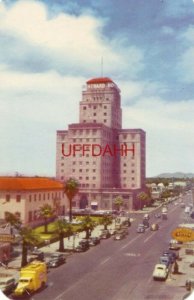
(49, 49)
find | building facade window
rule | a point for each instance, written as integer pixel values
(18, 198)
(7, 198)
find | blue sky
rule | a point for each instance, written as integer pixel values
(49, 49)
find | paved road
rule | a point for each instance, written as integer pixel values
(117, 270)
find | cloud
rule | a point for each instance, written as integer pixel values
(169, 128)
(179, 8)
(185, 66)
(167, 30)
(69, 44)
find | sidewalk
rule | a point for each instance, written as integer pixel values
(185, 272)
(69, 244)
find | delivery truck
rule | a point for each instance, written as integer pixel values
(32, 278)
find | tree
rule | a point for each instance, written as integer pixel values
(62, 228)
(88, 224)
(13, 220)
(46, 212)
(143, 197)
(28, 238)
(165, 194)
(71, 188)
(118, 202)
(106, 220)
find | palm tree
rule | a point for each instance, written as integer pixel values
(143, 197)
(46, 212)
(28, 238)
(106, 220)
(71, 188)
(62, 229)
(118, 202)
(88, 224)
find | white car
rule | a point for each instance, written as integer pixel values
(160, 272)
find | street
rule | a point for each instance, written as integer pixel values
(117, 270)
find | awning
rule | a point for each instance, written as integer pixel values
(94, 203)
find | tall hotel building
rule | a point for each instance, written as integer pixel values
(108, 161)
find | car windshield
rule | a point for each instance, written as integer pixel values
(24, 280)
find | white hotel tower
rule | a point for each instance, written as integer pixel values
(108, 161)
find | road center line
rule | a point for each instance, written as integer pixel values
(149, 237)
(105, 260)
(131, 241)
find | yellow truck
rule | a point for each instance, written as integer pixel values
(32, 278)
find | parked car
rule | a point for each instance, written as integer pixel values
(123, 230)
(36, 255)
(146, 223)
(93, 241)
(160, 272)
(157, 215)
(112, 231)
(174, 244)
(140, 228)
(7, 284)
(165, 260)
(191, 265)
(146, 217)
(56, 259)
(154, 227)
(172, 255)
(83, 246)
(164, 216)
(119, 236)
(105, 234)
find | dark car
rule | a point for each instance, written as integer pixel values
(191, 265)
(146, 223)
(172, 255)
(157, 215)
(56, 259)
(165, 260)
(105, 234)
(93, 241)
(7, 284)
(164, 216)
(123, 230)
(83, 246)
(36, 255)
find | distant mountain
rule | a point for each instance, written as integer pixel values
(176, 175)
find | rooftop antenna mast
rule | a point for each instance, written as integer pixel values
(102, 66)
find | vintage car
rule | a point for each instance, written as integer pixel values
(160, 272)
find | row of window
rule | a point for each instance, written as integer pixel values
(96, 98)
(8, 198)
(87, 185)
(127, 178)
(94, 121)
(125, 136)
(93, 106)
(17, 214)
(82, 162)
(125, 171)
(87, 178)
(45, 196)
(83, 131)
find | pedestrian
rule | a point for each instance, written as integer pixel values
(176, 267)
(5, 259)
